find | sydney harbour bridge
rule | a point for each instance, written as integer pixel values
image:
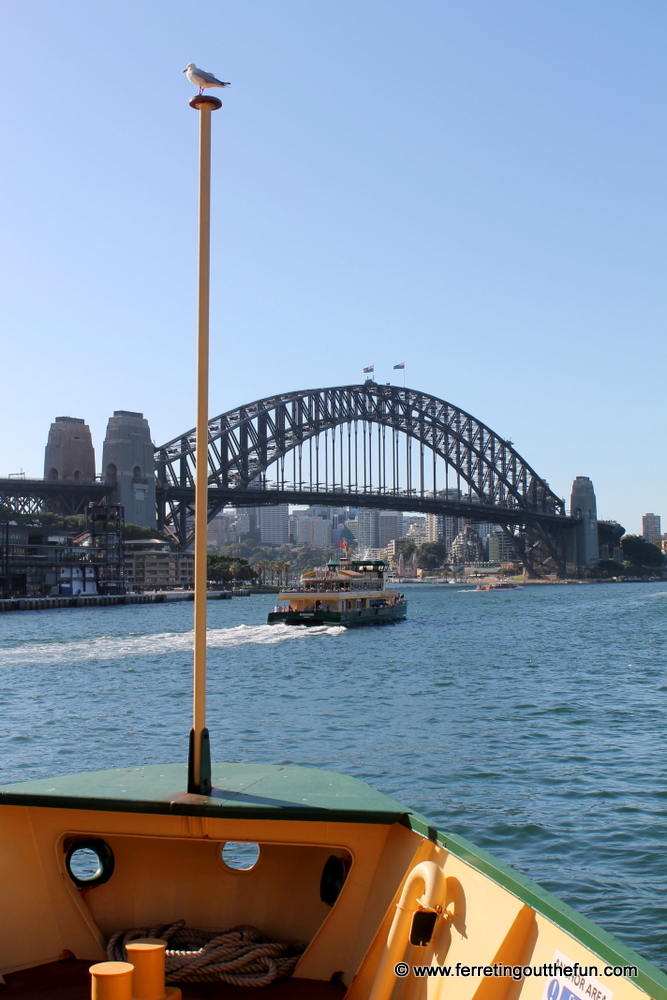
(367, 445)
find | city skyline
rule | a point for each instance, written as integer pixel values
(389, 185)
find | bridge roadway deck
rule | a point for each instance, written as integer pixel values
(219, 498)
(31, 495)
(28, 496)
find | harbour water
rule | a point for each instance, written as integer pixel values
(531, 722)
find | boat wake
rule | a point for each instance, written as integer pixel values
(152, 647)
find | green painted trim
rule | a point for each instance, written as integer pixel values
(241, 791)
(600, 942)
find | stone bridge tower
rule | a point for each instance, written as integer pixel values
(69, 451)
(128, 465)
(584, 548)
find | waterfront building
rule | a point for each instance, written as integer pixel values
(129, 466)
(273, 524)
(69, 452)
(151, 563)
(651, 529)
(38, 561)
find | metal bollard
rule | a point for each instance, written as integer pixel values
(147, 956)
(111, 981)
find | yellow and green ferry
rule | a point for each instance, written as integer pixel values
(383, 905)
(347, 592)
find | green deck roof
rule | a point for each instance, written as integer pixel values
(241, 791)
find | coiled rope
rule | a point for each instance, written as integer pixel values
(241, 956)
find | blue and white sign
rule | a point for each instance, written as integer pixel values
(576, 981)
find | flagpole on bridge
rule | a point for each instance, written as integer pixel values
(199, 759)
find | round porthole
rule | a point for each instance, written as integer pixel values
(240, 856)
(333, 878)
(89, 863)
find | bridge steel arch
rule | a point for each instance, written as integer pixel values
(366, 445)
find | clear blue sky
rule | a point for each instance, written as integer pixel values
(476, 188)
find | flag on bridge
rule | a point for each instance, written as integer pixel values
(370, 369)
(402, 365)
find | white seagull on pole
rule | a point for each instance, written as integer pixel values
(201, 78)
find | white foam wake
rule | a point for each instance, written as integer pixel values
(154, 646)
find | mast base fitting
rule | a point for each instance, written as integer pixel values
(204, 786)
(205, 100)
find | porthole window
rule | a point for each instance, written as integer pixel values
(240, 856)
(89, 863)
(333, 878)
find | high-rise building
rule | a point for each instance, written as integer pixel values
(390, 525)
(443, 529)
(651, 530)
(466, 547)
(273, 524)
(378, 527)
(69, 450)
(417, 529)
(484, 529)
(221, 530)
(501, 549)
(312, 531)
(369, 528)
(352, 525)
(247, 520)
(129, 465)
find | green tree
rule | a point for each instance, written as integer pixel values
(604, 570)
(223, 569)
(136, 531)
(240, 569)
(639, 552)
(431, 555)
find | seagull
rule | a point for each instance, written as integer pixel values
(201, 78)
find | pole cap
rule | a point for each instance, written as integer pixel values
(108, 970)
(205, 101)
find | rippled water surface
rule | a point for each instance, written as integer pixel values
(532, 721)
